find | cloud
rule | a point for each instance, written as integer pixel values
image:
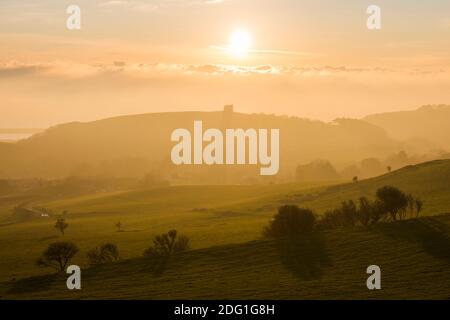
(80, 70)
(62, 91)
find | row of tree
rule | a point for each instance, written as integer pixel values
(59, 254)
(391, 204)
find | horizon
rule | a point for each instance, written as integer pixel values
(36, 129)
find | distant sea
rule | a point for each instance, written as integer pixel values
(14, 136)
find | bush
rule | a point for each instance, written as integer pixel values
(58, 255)
(291, 221)
(344, 216)
(370, 212)
(393, 201)
(106, 253)
(167, 244)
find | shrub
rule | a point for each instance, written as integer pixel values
(291, 221)
(393, 201)
(344, 216)
(167, 244)
(349, 213)
(106, 253)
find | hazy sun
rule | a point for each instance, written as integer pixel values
(239, 44)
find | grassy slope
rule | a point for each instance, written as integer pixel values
(414, 257)
(198, 211)
(227, 215)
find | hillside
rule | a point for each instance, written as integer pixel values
(428, 126)
(413, 256)
(138, 144)
(209, 215)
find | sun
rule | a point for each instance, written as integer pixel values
(240, 42)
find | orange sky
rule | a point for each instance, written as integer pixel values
(312, 59)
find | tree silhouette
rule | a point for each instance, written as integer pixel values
(291, 221)
(57, 255)
(393, 201)
(419, 206)
(107, 252)
(166, 244)
(118, 225)
(61, 225)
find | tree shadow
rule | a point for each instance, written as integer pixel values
(304, 256)
(47, 238)
(431, 234)
(156, 265)
(33, 284)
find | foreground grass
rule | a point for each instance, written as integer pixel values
(414, 256)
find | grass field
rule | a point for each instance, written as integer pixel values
(221, 222)
(413, 255)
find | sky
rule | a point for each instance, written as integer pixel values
(314, 59)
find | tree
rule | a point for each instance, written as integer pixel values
(355, 179)
(291, 221)
(167, 244)
(344, 216)
(365, 211)
(419, 206)
(182, 244)
(106, 253)
(389, 168)
(349, 213)
(118, 225)
(414, 205)
(393, 200)
(61, 225)
(369, 212)
(318, 170)
(57, 255)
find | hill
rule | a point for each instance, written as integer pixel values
(413, 256)
(134, 145)
(428, 126)
(209, 215)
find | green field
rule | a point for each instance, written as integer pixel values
(229, 259)
(413, 255)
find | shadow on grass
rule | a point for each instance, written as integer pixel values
(48, 238)
(305, 256)
(156, 265)
(33, 284)
(431, 234)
